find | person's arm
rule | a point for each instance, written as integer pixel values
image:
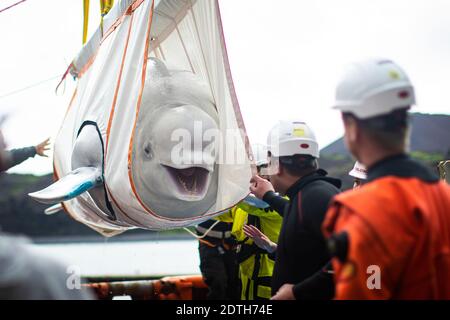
(17, 156)
(264, 190)
(260, 239)
(276, 202)
(266, 213)
(317, 287)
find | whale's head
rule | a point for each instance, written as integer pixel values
(174, 151)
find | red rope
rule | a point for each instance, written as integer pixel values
(63, 77)
(13, 5)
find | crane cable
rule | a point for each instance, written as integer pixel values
(28, 87)
(13, 5)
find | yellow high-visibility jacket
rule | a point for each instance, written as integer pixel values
(255, 264)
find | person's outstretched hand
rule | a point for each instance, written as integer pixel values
(259, 186)
(259, 238)
(42, 147)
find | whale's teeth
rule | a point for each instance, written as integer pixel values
(194, 187)
(180, 179)
(189, 185)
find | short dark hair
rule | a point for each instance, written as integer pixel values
(389, 131)
(260, 167)
(299, 164)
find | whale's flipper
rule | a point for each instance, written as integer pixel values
(53, 209)
(72, 185)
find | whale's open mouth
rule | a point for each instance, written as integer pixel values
(191, 183)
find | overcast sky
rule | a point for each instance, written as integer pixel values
(285, 57)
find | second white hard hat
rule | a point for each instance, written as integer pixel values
(292, 137)
(372, 88)
(260, 154)
(359, 171)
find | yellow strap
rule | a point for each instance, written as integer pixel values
(105, 6)
(108, 5)
(85, 19)
(102, 6)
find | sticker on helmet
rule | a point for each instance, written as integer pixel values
(394, 75)
(299, 132)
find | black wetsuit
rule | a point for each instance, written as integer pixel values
(302, 256)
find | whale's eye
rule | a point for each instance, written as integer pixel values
(148, 150)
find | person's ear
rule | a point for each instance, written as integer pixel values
(280, 170)
(352, 130)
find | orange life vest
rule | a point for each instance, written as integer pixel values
(398, 227)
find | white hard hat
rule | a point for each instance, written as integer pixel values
(372, 88)
(260, 154)
(359, 171)
(292, 137)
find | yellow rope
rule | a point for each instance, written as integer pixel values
(105, 6)
(85, 19)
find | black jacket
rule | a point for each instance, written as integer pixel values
(302, 252)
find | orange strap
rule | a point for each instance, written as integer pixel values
(226, 246)
(209, 244)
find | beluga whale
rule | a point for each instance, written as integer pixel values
(145, 139)
(176, 179)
